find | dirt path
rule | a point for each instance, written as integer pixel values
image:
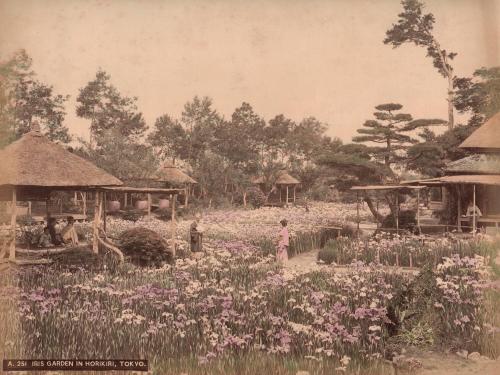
(452, 364)
(307, 262)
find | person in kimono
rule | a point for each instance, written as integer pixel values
(283, 242)
(68, 233)
(196, 235)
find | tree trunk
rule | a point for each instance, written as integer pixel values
(450, 100)
(387, 159)
(377, 215)
(392, 204)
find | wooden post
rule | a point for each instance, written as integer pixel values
(418, 210)
(95, 224)
(125, 201)
(459, 209)
(287, 195)
(173, 224)
(84, 197)
(47, 211)
(294, 194)
(149, 205)
(378, 223)
(397, 212)
(280, 192)
(186, 194)
(474, 210)
(60, 206)
(105, 198)
(29, 208)
(13, 222)
(357, 211)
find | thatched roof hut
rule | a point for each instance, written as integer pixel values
(284, 178)
(173, 175)
(486, 138)
(475, 164)
(35, 161)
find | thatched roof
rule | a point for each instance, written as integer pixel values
(283, 179)
(477, 163)
(170, 173)
(470, 179)
(33, 160)
(486, 138)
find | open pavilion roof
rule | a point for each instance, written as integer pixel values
(33, 160)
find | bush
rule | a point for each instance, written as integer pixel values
(348, 231)
(407, 220)
(166, 213)
(82, 257)
(144, 247)
(132, 215)
(329, 253)
(320, 192)
(256, 197)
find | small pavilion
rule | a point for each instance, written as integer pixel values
(33, 166)
(173, 177)
(283, 183)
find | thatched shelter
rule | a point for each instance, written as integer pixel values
(33, 166)
(35, 161)
(488, 163)
(173, 177)
(486, 138)
(283, 182)
(171, 174)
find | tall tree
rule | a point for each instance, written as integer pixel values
(391, 130)
(305, 138)
(199, 120)
(120, 156)
(101, 103)
(479, 95)
(352, 164)
(414, 26)
(240, 140)
(169, 138)
(24, 100)
(277, 134)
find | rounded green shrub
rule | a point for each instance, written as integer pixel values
(144, 247)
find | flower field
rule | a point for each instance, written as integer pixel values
(235, 310)
(236, 303)
(405, 250)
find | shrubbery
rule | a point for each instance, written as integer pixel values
(256, 197)
(144, 247)
(407, 220)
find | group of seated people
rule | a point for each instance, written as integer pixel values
(51, 236)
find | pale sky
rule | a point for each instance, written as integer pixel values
(322, 58)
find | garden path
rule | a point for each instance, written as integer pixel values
(306, 262)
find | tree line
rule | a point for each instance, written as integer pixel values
(223, 154)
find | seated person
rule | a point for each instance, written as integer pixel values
(68, 234)
(45, 240)
(55, 236)
(470, 210)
